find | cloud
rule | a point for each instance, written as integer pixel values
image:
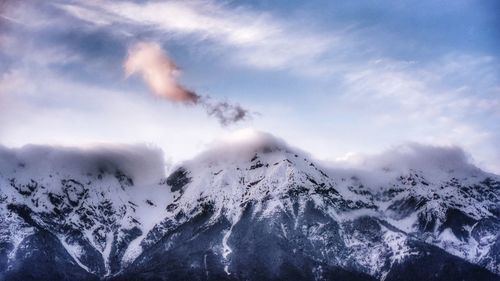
(250, 38)
(226, 113)
(241, 145)
(145, 164)
(86, 14)
(450, 100)
(420, 157)
(160, 73)
(437, 163)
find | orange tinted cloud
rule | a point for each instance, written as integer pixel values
(158, 71)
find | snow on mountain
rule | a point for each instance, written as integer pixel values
(85, 197)
(116, 214)
(435, 193)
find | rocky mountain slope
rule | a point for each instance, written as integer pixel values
(251, 209)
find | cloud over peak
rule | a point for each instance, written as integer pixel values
(415, 156)
(145, 164)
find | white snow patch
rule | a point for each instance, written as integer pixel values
(75, 251)
(226, 250)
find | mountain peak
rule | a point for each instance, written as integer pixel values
(242, 145)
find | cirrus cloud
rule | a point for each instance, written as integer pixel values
(254, 39)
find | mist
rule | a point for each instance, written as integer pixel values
(145, 164)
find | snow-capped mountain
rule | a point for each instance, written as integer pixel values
(253, 209)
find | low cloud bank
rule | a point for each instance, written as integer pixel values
(161, 75)
(143, 163)
(146, 164)
(429, 159)
(417, 157)
(436, 162)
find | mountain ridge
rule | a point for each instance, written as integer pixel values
(265, 195)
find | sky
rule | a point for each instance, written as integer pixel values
(335, 78)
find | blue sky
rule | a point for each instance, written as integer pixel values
(336, 78)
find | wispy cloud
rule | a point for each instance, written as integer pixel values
(255, 39)
(455, 83)
(89, 15)
(447, 101)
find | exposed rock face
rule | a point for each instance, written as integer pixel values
(261, 211)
